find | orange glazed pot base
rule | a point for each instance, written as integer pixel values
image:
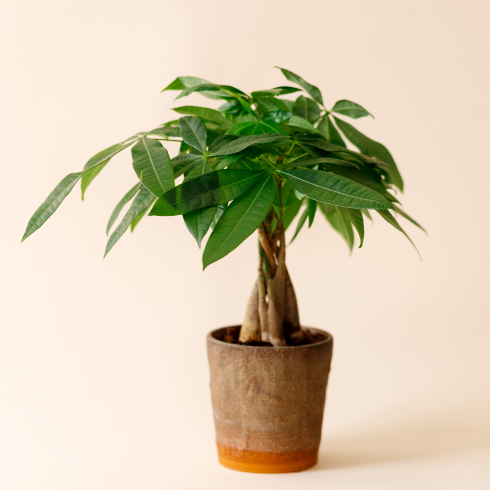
(259, 462)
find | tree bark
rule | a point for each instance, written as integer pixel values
(292, 325)
(272, 311)
(251, 324)
(276, 290)
(262, 291)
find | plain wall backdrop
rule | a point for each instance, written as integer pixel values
(103, 370)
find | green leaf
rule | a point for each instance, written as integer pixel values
(165, 131)
(366, 213)
(181, 83)
(101, 159)
(300, 224)
(334, 189)
(201, 169)
(301, 124)
(351, 109)
(205, 113)
(275, 91)
(120, 205)
(135, 222)
(401, 212)
(257, 127)
(311, 211)
(90, 175)
(240, 220)
(193, 132)
(372, 148)
(225, 162)
(107, 154)
(153, 166)
(208, 190)
(339, 222)
(290, 212)
(231, 107)
(386, 215)
(306, 108)
(367, 177)
(329, 131)
(316, 161)
(313, 91)
(270, 104)
(355, 217)
(140, 204)
(51, 204)
(241, 143)
(218, 91)
(278, 116)
(219, 212)
(199, 221)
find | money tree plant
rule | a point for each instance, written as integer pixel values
(255, 163)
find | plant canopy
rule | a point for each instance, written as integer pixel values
(255, 163)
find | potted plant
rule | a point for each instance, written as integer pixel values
(253, 164)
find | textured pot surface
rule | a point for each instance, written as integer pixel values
(268, 403)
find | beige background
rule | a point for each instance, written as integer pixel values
(103, 373)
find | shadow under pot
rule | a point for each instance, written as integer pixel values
(268, 402)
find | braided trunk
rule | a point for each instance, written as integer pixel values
(272, 311)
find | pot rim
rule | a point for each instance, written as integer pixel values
(210, 338)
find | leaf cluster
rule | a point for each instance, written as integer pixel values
(260, 157)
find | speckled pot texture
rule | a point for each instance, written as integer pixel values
(268, 403)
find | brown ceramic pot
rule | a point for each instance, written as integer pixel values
(268, 403)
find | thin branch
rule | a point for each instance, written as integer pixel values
(266, 247)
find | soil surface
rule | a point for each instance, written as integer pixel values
(232, 334)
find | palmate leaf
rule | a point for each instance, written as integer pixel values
(316, 161)
(256, 127)
(401, 212)
(367, 177)
(387, 216)
(270, 104)
(306, 108)
(300, 224)
(355, 217)
(141, 202)
(201, 169)
(205, 113)
(152, 165)
(312, 205)
(313, 91)
(137, 220)
(221, 91)
(329, 131)
(290, 212)
(372, 148)
(334, 189)
(278, 116)
(199, 221)
(93, 167)
(193, 132)
(51, 204)
(350, 109)
(181, 83)
(120, 205)
(340, 222)
(244, 142)
(240, 220)
(211, 189)
(275, 91)
(301, 124)
(165, 131)
(219, 212)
